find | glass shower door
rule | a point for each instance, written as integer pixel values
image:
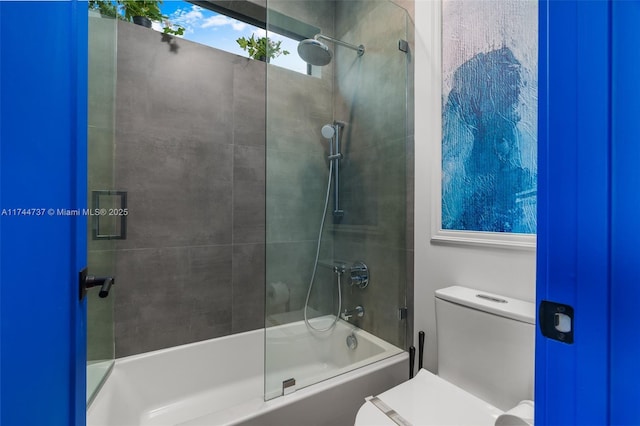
(336, 241)
(101, 228)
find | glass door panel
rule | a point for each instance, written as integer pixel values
(102, 228)
(336, 191)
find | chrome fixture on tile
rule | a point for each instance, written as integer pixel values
(332, 133)
(359, 275)
(315, 52)
(347, 314)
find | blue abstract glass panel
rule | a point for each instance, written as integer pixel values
(489, 115)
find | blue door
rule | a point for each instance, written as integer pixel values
(589, 232)
(624, 359)
(42, 172)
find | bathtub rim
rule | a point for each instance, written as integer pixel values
(258, 407)
(256, 403)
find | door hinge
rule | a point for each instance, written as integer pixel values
(403, 313)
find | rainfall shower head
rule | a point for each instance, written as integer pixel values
(328, 131)
(314, 52)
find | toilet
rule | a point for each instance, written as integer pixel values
(485, 367)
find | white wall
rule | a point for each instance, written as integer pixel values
(510, 272)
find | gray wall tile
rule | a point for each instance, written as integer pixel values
(380, 113)
(138, 109)
(160, 92)
(190, 149)
(410, 183)
(296, 191)
(102, 72)
(248, 287)
(248, 194)
(375, 171)
(386, 291)
(172, 292)
(179, 190)
(190, 153)
(313, 12)
(291, 263)
(297, 170)
(249, 106)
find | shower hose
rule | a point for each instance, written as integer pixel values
(315, 266)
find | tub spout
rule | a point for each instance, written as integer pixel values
(347, 314)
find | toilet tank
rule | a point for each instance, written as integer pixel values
(486, 344)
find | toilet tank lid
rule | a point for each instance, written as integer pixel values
(489, 302)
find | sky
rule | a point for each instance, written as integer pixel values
(212, 29)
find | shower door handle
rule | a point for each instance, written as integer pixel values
(89, 281)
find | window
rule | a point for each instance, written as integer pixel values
(218, 30)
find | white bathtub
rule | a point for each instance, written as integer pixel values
(221, 381)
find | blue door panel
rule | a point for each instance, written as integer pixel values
(625, 291)
(573, 233)
(555, 252)
(593, 146)
(42, 135)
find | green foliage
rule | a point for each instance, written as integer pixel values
(127, 9)
(261, 48)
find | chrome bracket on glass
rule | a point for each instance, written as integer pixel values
(359, 275)
(403, 313)
(403, 45)
(288, 386)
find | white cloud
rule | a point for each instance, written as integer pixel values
(215, 21)
(192, 16)
(238, 26)
(187, 18)
(259, 32)
(220, 20)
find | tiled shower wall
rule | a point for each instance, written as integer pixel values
(190, 152)
(357, 91)
(377, 183)
(297, 169)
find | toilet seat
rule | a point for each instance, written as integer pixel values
(429, 400)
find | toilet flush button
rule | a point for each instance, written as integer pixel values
(562, 322)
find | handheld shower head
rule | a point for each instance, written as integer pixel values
(328, 131)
